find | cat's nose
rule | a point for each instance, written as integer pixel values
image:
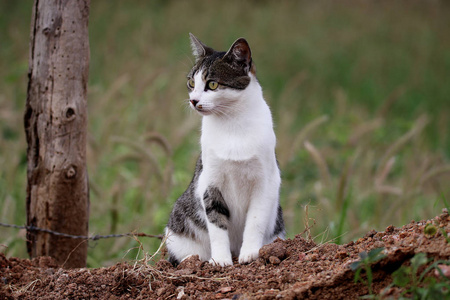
(194, 102)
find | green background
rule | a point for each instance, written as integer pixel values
(359, 92)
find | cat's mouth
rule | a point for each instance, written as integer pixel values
(199, 108)
(202, 111)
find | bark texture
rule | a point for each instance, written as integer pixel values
(56, 125)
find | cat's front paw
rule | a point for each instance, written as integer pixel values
(248, 255)
(221, 261)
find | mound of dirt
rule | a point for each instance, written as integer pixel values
(287, 269)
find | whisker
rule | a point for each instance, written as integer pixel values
(224, 110)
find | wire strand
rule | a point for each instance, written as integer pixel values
(85, 237)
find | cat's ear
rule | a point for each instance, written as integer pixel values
(240, 52)
(199, 49)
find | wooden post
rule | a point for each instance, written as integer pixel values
(56, 125)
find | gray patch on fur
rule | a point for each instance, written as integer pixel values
(175, 262)
(279, 224)
(185, 212)
(216, 208)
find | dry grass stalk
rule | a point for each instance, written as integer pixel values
(302, 136)
(435, 172)
(306, 224)
(17, 292)
(324, 241)
(419, 125)
(390, 100)
(146, 267)
(141, 149)
(342, 186)
(320, 162)
(363, 130)
(115, 87)
(160, 140)
(382, 188)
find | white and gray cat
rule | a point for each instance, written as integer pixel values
(231, 207)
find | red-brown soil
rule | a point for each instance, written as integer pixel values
(287, 269)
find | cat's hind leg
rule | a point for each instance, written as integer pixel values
(181, 247)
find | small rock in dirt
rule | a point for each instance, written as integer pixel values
(370, 233)
(160, 291)
(183, 272)
(274, 260)
(163, 265)
(312, 257)
(225, 289)
(49, 271)
(181, 293)
(277, 249)
(341, 255)
(289, 277)
(378, 244)
(445, 269)
(389, 229)
(46, 262)
(192, 262)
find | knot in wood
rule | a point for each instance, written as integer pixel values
(46, 30)
(70, 114)
(71, 172)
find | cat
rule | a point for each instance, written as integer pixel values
(231, 207)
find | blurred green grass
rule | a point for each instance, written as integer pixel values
(359, 92)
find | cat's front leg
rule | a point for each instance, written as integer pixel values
(218, 215)
(220, 246)
(253, 239)
(261, 218)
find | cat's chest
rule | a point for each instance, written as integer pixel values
(233, 149)
(236, 179)
(236, 172)
(236, 143)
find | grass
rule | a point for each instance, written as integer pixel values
(358, 90)
(365, 264)
(411, 283)
(420, 285)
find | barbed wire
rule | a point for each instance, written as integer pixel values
(85, 237)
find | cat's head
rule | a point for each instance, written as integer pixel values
(217, 79)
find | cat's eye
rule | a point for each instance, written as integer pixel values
(212, 85)
(191, 83)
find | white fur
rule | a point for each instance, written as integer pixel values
(185, 246)
(238, 154)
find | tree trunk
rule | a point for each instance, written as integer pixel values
(56, 126)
